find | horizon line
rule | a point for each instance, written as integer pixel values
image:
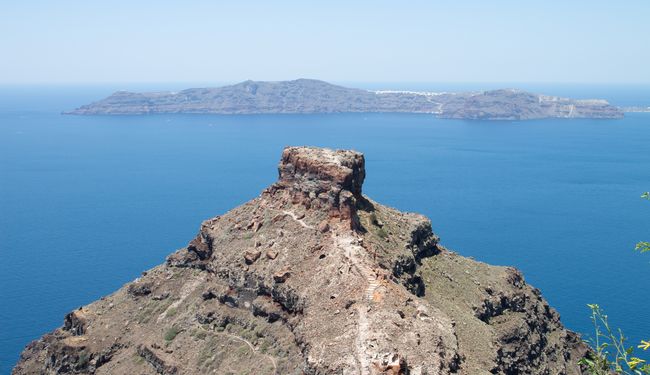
(340, 82)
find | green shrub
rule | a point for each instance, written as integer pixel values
(199, 334)
(83, 360)
(171, 334)
(264, 346)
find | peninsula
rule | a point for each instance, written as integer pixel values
(313, 96)
(313, 277)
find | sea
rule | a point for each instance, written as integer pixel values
(89, 203)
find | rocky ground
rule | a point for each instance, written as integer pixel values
(313, 277)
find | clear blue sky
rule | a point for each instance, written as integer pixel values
(361, 41)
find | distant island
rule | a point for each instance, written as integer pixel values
(637, 109)
(313, 96)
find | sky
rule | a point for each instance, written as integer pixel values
(87, 42)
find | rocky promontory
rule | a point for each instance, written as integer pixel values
(313, 277)
(313, 96)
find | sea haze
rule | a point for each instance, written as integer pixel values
(88, 203)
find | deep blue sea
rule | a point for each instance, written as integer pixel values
(88, 203)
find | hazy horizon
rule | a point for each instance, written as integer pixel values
(188, 84)
(74, 42)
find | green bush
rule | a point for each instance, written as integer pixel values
(83, 360)
(373, 219)
(171, 334)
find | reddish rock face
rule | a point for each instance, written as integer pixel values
(321, 170)
(323, 179)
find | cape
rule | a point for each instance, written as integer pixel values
(313, 277)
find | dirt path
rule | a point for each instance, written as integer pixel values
(295, 217)
(275, 366)
(356, 254)
(250, 345)
(362, 339)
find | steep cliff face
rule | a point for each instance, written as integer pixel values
(312, 277)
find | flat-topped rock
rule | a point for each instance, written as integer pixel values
(317, 170)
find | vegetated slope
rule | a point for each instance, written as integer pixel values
(313, 277)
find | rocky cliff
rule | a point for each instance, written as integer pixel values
(313, 277)
(312, 96)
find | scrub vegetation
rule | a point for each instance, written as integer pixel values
(611, 353)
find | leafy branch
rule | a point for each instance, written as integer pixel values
(643, 246)
(611, 354)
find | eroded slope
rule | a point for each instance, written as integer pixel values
(312, 277)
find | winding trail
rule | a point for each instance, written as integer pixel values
(373, 285)
(275, 366)
(295, 217)
(355, 254)
(362, 339)
(250, 345)
(185, 292)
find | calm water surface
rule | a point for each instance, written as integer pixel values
(88, 203)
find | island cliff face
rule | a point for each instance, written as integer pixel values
(312, 96)
(313, 277)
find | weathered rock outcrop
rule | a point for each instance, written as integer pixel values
(312, 96)
(312, 277)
